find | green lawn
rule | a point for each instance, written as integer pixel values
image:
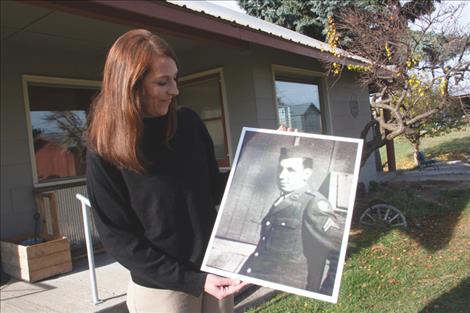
(425, 268)
(452, 146)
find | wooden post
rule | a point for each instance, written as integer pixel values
(52, 217)
(392, 166)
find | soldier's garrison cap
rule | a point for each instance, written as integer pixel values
(300, 151)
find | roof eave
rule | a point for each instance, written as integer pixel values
(182, 21)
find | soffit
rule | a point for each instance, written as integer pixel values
(32, 26)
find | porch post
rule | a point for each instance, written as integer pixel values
(392, 165)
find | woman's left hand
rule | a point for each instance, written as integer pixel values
(221, 287)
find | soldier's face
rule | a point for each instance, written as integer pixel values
(292, 175)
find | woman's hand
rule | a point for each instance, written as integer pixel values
(284, 128)
(221, 287)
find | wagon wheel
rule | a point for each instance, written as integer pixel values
(383, 215)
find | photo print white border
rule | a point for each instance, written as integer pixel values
(353, 160)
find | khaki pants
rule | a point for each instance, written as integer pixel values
(150, 300)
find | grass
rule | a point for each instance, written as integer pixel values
(452, 146)
(424, 268)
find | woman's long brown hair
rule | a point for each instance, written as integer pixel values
(116, 119)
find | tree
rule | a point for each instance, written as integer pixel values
(439, 124)
(410, 52)
(72, 128)
(405, 66)
(310, 17)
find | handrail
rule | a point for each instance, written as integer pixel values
(83, 199)
(89, 245)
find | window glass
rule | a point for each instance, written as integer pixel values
(216, 130)
(204, 96)
(58, 117)
(298, 105)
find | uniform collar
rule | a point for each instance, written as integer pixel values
(286, 200)
(296, 193)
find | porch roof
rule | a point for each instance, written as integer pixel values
(203, 20)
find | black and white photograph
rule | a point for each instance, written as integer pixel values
(285, 215)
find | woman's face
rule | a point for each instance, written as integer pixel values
(159, 86)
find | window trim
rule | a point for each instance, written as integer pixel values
(26, 79)
(195, 77)
(303, 75)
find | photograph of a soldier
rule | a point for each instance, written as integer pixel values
(283, 216)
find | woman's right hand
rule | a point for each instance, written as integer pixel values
(288, 129)
(221, 287)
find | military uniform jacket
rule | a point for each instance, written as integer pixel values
(298, 231)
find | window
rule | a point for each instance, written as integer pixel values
(57, 111)
(298, 102)
(203, 94)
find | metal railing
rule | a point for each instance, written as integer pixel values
(87, 222)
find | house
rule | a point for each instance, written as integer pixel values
(233, 70)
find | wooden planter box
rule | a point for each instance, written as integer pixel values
(36, 262)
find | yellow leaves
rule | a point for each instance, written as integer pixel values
(333, 39)
(411, 62)
(335, 68)
(358, 68)
(443, 85)
(418, 86)
(331, 36)
(388, 51)
(414, 82)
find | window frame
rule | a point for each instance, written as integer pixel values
(72, 82)
(224, 164)
(292, 74)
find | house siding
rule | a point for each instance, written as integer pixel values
(343, 123)
(251, 95)
(17, 203)
(250, 102)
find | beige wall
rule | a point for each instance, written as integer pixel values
(249, 82)
(342, 122)
(17, 205)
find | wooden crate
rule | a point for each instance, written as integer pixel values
(36, 262)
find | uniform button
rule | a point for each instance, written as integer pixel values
(268, 223)
(263, 238)
(256, 253)
(283, 224)
(248, 270)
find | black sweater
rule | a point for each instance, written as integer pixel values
(157, 224)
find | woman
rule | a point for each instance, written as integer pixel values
(152, 180)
